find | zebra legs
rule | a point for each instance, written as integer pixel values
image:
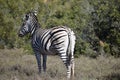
(69, 63)
(38, 57)
(44, 62)
(70, 69)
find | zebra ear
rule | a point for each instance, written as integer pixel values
(35, 12)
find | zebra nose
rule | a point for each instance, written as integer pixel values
(20, 34)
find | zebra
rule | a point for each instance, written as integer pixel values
(58, 40)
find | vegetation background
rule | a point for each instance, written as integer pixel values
(96, 24)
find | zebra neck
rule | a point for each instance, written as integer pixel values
(33, 30)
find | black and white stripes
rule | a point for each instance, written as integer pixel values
(57, 40)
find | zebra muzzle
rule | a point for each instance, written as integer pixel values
(20, 34)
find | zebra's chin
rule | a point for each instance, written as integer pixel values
(20, 35)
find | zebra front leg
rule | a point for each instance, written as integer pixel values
(44, 62)
(38, 58)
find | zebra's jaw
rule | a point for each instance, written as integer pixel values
(20, 35)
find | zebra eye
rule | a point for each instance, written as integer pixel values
(27, 17)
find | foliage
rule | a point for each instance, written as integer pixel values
(106, 21)
(92, 21)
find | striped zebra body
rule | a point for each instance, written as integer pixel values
(58, 40)
(51, 41)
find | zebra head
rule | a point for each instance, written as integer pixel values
(29, 25)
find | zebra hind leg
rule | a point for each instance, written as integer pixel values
(70, 68)
(65, 60)
(68, 71)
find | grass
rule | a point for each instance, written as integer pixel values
(16, 65)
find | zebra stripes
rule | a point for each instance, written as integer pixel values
(57, 40)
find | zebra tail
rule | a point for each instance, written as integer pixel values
(71, 44)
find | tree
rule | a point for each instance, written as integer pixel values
(106, 21)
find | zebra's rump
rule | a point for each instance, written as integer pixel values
(59, 40)
(55, 40)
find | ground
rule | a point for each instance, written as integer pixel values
(17, 65)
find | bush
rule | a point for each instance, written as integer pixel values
(92, 21)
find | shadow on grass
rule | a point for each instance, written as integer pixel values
(113, 76)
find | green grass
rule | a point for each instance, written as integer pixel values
(15, 65)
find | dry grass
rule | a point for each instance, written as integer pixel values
(15, 65)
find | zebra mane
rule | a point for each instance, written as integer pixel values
(35, 15)
(32, 12)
